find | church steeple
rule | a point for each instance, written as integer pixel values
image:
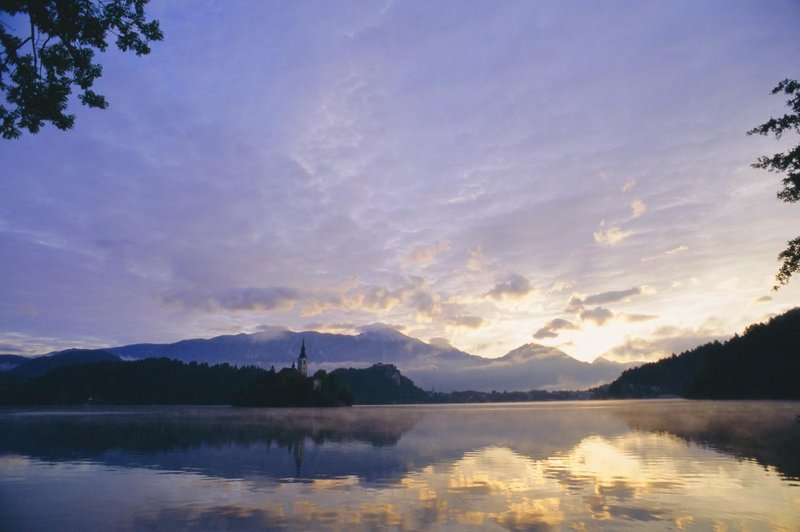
(302, 360)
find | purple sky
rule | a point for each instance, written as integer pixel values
(482, 173)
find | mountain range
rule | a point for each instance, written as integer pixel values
(431, 366)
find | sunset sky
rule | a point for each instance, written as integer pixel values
(485, 173)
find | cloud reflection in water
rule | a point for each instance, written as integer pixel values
(518, 467)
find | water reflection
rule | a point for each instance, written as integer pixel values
(612, 465)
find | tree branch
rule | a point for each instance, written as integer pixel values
(33, 42)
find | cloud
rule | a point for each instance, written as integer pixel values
(477, 260)
(598, 315)
(271, 298)
(577, 302)
(11, 349)
(649, 350)
(354, 170)
(440, 342)
(342, 327)
(679, 249)
(629, 184)
(559, 286)
(372, 298)
(729, 283)
(664, 341)
(381, 327)
(552, 328)
(638, 208)
(636, 318)
(611, 236)
(239, 299)
(669, 252)
(617, 295)
(270, 331)
(425, 254)
(469, 322)
(422, 299)
(414, 292)
(515, 286)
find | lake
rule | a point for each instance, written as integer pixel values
(589, 465)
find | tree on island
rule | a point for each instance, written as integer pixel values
(44, 56)
(289, 387)
(788, 163)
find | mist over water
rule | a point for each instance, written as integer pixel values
(584, 465)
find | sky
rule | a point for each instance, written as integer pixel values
(476, 173)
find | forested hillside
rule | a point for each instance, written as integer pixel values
(381, 384)
(153, 381)
(762, 363)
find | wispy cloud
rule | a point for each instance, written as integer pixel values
(638, 208)
(629, 184)
(666, 254)
(477, 260)
(679, 249)
(239, 299)
(637, 318)
(425, 254)
(662, 342)
(414, 292)
(610, 236)
(577, 302)
(350, 157)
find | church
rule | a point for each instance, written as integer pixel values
(302, 360)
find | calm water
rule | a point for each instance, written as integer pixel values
(655, 465)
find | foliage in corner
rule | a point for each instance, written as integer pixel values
(785, 163)
(48, 46)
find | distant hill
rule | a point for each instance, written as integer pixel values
(762, 363)
(36, 366)
(442, 368)
(531, 366)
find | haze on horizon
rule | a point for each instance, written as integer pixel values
(479, 173)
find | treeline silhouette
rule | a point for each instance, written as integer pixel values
(289, 388)
(68, 379)
(762, 363)
(153, 381)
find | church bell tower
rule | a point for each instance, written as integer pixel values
(302, 360)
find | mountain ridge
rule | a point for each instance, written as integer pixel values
(432, 366)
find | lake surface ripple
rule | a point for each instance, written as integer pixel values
(612, 465)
